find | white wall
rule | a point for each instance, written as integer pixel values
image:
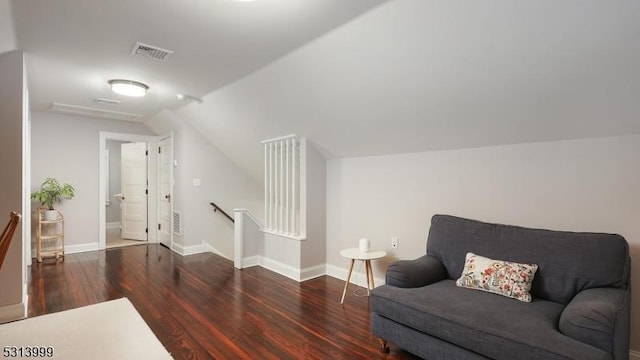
(66, 147)
(7, 33)
(283, 250)
(581, 185)
(313, 249)
(222, 182)
(11, 181)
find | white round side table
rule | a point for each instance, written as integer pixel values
(355, 254)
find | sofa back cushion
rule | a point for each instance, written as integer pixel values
(568, 262)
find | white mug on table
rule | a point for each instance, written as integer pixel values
(365, 245)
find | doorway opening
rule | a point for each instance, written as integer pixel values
(126, 193)
(138, 197)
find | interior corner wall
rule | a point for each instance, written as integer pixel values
(252, 232)
(12, 93)
(66, 147)
(314, 247)
(283, 251)
(580, 185)
(221, 182)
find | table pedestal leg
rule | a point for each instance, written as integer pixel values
(366, 270)
(344, 292)
(373, 284)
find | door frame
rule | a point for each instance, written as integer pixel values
(152, 177)
(166, 136)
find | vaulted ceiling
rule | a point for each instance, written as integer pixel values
(418, 75)
(358, 77)
(74, 47)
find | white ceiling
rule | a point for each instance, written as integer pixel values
(357, 77)
(74, 47)
(418, 75)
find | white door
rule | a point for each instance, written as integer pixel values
(133, 168)
(165, 193)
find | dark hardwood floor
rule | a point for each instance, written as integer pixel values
(201, 307)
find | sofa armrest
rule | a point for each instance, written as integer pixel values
(599, 317)
(415, 273)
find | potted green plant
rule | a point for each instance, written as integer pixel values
(50, 193)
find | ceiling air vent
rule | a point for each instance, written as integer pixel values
(151, 52)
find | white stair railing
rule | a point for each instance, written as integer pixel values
(282, 186)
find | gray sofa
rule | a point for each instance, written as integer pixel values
(580, 307)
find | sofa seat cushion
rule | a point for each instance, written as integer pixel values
(485, 323)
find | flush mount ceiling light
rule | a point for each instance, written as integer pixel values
(128, 87)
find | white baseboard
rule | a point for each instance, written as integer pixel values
(358, 277)
(313, 272)
(12, 312)
(634, 355)
(251, 261)
(280, 268)
(196, 249)
(177, 248)
(112, 225)
(289, 271)
(73, 249)
(189, 250)
(211, 249)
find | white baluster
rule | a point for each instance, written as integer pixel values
(293, 187)
(266, 181)
(274, 183)
(282, 185)
(287, 205)
(270, 223)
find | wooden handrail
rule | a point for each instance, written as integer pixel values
(216, 208)
(7, 234)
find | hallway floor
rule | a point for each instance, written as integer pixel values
(114, 240)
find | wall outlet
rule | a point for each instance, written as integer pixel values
(394, 243)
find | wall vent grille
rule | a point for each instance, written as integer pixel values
(177, 223)
(151, 52)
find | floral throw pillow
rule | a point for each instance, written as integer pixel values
(497, 276)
